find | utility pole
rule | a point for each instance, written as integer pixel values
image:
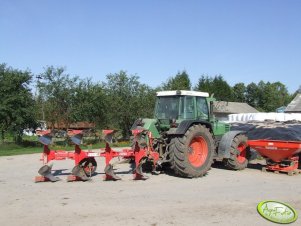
(38, 77)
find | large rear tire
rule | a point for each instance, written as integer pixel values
(238, 153)
(192, 154)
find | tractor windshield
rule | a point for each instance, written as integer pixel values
(167, 107)
(175, 107)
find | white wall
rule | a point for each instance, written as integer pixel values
(281, 117)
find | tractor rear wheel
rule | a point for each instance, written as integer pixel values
(238, 153)
(192, 154)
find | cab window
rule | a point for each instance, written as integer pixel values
(202, 108)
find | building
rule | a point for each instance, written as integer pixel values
(295, 105)
(281, 109)
(75, 125)
(222, 109)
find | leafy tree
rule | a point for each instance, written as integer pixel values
(180, 82)
(89, 103)
(222, 89)
(128, 100)
(267, 96)
(57, 89)
(253, 95)
(274, 95)
(239, 92)
(16, 104)
(205, 84)
(215, 85)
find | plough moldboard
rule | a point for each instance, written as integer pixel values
(85, 163)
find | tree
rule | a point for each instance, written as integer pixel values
(222, 89)
(253, 95)
(267, 96)
(274, 95)
(180, 82)
(16, 104)
(89, 103)
(127, 100)
(215, 85)
(205, 84)
(57, 89)
(239, 92)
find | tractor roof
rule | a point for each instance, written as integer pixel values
(182, 93)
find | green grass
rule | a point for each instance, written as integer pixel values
(14, 149)
(9, 149)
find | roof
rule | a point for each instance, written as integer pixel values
(75, 125)
(182, 92)
(232, 107)
(295, 104)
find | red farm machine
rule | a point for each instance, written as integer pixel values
(84, 161)
(280, 155)
(183, 138)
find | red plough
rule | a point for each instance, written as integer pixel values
(85, 163)
(281, 156)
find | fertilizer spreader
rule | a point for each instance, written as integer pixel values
(281, 156)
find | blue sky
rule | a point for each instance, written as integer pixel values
(244, 41)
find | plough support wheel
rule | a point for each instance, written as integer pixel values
(89, 165)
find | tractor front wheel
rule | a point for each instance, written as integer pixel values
(238, 153)
(192, 154)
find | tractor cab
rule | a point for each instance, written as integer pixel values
(182, 105)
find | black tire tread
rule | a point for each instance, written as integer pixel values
(179, 145)
(232, 163)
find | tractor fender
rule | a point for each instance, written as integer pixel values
(186, 124)
(225, 143)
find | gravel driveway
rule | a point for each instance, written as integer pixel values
(222, 197)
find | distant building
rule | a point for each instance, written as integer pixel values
(295, 105)
(75, 125)
(222, 109)
(281, 109)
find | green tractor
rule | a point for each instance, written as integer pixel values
(189, 138)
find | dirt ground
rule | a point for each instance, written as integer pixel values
(222, 197)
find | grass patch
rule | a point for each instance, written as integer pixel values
(14, 149)
(9, 149)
